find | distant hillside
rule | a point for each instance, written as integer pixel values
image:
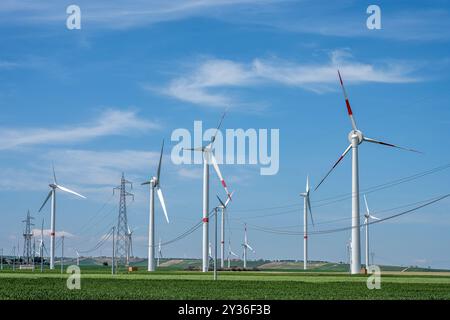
(262, 265)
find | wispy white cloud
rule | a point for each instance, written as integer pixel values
(125, 14)
(209, 82)
(111, 122)
(323, 18)
(101, 167)
(47, 232)
(4, 64)
(190, 173)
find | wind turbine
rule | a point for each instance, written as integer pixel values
(246, 246)
(154, 183)
(367, 217)
(210, 252)
(355, 137)
(230, 253)
(159, 252)
(53, 186)
(129, 243)
(78, 257)
(208, 157)
(306, 208)
(223, 207)
(42, 246)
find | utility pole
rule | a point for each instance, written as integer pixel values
(215, 243)
(34, 252)
(18, 252)
(121, 245)
(1, 261)
(14, 259)
(62, 254)
(113, 262)
(372, 254)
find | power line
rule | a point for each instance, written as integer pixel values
(318, 232)
(100, 243)
(343, 197)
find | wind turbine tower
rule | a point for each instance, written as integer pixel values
(208, 159)
(356, 138)
(27, 239)
(121, 246)
(306, 208)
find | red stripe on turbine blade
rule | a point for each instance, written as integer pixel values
(205, 220)
(52, 234)
(305, 237)
(337, 162)
(349, 109)
(224, 184)
(388, 144)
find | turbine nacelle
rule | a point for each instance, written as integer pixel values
(356, 133)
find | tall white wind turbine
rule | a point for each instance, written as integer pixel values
(159, 253)
(208, 158)
(154, 183)
(306, 208)
(129, 244)
(246, 246)
(367, 218)
(42, 246)
(230, 253)
(223, 207)
(78, 257)
(52, 194)
(355, 137)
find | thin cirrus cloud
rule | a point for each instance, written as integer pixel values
(127, 14)
(111, 122)
(47, 232)
(101, 170)
(208, 83)
(324, 18)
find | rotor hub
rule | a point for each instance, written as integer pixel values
(358, 134)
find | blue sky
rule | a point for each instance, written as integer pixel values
(98, 101)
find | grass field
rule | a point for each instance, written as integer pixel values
(98, 283)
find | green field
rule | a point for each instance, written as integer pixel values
(98, 283)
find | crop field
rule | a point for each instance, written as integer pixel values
(98, 283)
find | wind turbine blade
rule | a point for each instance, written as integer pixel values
(160, 160)
(70, 191)
(389, 145)
(219, 174)
(334, 166)
(367, 206)
(248, 246)
(221, 203)
(193, 149)
(218, 127)
(45, 201)
(373, 217)
(307, 184)
(54, 174)
(146, 182)
(163, 204)
(308, 203)
(229, 198)
(349, 108)
(234, 254)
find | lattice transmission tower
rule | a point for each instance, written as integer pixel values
(122, 223)
(27, 239)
